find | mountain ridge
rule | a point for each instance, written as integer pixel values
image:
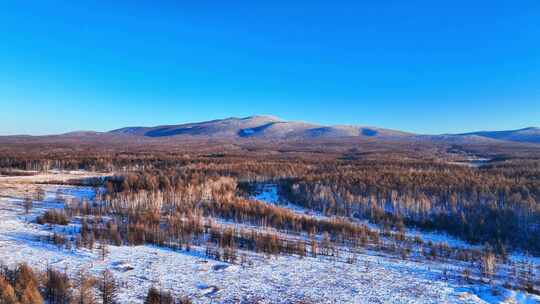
(260, 126)
(272, 128)
(528, 134)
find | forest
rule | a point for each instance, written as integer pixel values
(181, 201)
(496, 203)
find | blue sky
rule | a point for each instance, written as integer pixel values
(420, 66)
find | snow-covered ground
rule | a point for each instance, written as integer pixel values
(285, 279)
(268, 193)
(52, 175)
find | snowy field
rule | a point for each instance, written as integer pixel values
(268, 193)
(286, 279)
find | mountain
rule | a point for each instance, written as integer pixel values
(270, 133)
(260, 127)
(215, 128)
(274, 128)
(530, 135)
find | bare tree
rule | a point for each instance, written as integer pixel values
(7, 293)
(27, 286)
(488, 263)
(28, 204)
(103, 249)
(156, 296)
(84, 284)
(313, 248)
(40, 194)
(57, 287)
(108, 288)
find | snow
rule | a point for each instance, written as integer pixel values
(374, 278)
(473, 162)
(268, 193)
(439, 237)
(52, 175)
(248, 131)
(497, 295)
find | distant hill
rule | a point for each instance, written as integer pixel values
(271, 127)
(530, 135)
(270, 133)
(261, 127)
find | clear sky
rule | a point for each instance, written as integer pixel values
(421, 66)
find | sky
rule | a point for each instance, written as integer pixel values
(421, 66)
